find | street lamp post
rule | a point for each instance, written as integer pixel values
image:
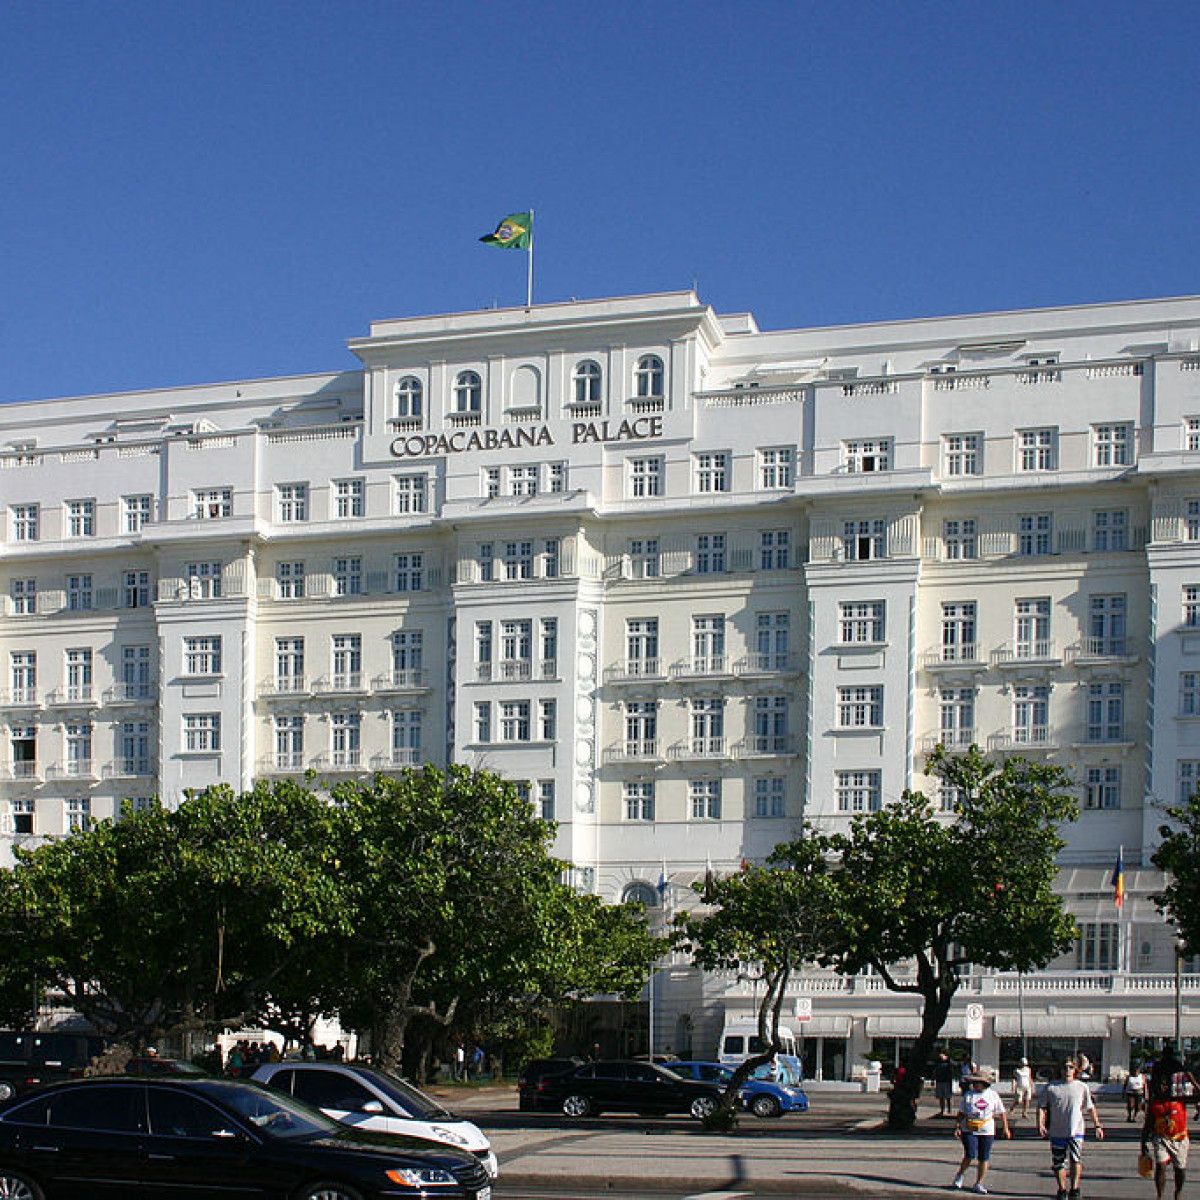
(1179, 998)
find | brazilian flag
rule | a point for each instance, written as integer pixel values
(515, 232)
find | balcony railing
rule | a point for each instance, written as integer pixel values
(764, 745)
(130, 693)
(75, 693)
(633, 750)
(402, 680)
(765, 664)
(952, 739)
(403, 757)
(75, 768)
(287, 764)
(339, 760)
(1015, 654)
(646, 404)
(946, 657)
(21, 770)
(633, 669)
(1099, 648)
(1024, 737)
(700, 666)
(129, 768)
(20, 697)
(462, 420)
(285, 685)
(349, 682)
(512, 670)
(699, 747)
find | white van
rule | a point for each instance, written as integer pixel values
(739, 1040)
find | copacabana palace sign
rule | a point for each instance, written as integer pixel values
(461, 441)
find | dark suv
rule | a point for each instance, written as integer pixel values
(617, 1086)
(28, 1059)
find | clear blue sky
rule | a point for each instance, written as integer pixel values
(219, 190)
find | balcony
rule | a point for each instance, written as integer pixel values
(351, 683)
(765, 745)
(700, 666)
(1042, 652)
(75, 768)
(633, 670)
(131, 693)
(766, 664)
(1103, 736)
(1101, 650)
(405, 424)
(282, 764)
(339, 760)
(463, 420)
(1018, 738)
(646, 404)
(957, 657)
(698, 747)
(283, 686)
(130, 768)
(406, 679)
(402, 757)
(20, 697)
(72, 694)
(952, 739)
(632, 751)
(513, 670)
(522, 415)
(22, 770)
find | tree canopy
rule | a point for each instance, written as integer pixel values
(1179, 856)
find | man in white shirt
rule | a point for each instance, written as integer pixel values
(976, 1125)
(1022, 1086)
(1060, 1118)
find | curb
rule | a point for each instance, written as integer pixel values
(641, 1185)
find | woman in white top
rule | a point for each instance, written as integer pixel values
(1022, 1086)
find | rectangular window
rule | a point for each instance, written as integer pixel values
(23, 675)
(863, 541)
(81, 518)
(1102, 788)
(547, 720)
(485, 563)
(25, 522)
(1037, 449)
(406, 737)
(346, 661)
(960, 539)
(1189, 694)
(203, 580)
(289, 580)
(862, 457)
(1189, 779)
(860, 707)
(516, 649)
(202, 656)
(22, 740)
(518, 560)
(1191, 433)
(772, 641)
(962, 454)
(551, 558)
(548, 648)
(136, 679)
(708, 726)
(775, 550)
(556, 478)
(135, 748)
(858, 791)
(956, 717)
(345, 739)
(1112, 445)
(1099, 946)
(1191, 520)
(202, 732)
(1031, 714)
(79, 814)
(770, 798)
(24, 597)
(347, 576)
(78, 742)
(645, 477)
(1031, 628)
(1110, 529)
(490, 482)
(770, 725)
(289, 664)
(641, 728)
(136, 589)
(776, 468)
(1035, 534)
(641, 646)
(545, 799)
(1191, 605)
(638, 801)
(1106, 712)
(523, 481)
(1106, 626)
(409, 494)
(861, 622)
(291, 502)
(644, 562)
(137, 512)
(79, 593)
(710, 553)
(21, 812)
(708, 645)
(79, 673)
(212, 504)
(712, 472)
(289, 742)
(349, 498)
(483, 649)
(958, 632)
(408, 652)
(704, 796)
(483, 721)
(514, 721)
(410, 572)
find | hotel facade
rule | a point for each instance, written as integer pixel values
(688, 582)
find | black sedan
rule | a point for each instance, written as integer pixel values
(206, 1138)
(616, 1086)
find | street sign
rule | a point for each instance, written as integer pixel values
(974, 1022)
(803, 1008)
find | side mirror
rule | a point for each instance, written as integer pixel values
(227, 1135)
(374, 1107)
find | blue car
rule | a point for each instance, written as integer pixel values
(763, 1096)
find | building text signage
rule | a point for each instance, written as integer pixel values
(461, 441)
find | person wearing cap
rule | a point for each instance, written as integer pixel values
(1061, 1114)
(1022, 1086)
(976, 1126)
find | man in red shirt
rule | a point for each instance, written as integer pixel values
(1165, 1133)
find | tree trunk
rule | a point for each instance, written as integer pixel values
(392, 1025)
(902, 1103)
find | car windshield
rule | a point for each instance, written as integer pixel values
(269, 1112)
(406, 1097)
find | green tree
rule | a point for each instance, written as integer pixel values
(764, 923)
(1179, 856)
(918, 896)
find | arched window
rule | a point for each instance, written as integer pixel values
(409, 395)
(468, 392)
(641, 893)
(587, 382)
(648, 378)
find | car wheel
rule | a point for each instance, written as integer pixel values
(329, 1191)
(6, 1090)
(703, 1106)
(14, 1186)
(576, 1106)
(765, 1106)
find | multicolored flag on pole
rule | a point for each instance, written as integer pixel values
(1117, 882)
(515, 232)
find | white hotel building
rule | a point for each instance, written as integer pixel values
(691, 582)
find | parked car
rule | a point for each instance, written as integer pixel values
(763, 1096)
(152, 1064)
(366, 1098)
(617, 1086)
(111, 1138)
(534, 1072)
(31, 1058)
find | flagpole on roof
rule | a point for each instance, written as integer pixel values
(529, 280)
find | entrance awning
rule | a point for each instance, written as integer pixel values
(1158, 1024)
(823, 1025)
(1052, 1025)
(908, 1025)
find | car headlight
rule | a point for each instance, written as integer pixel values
(448, 1135)
(416, 1177)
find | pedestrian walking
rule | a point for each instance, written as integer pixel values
(1061, 1112)
(460, 1061)
(1165, 1131)
(976, 1126)
(1134, 1091)
(943, 1084)
(1022, 1086)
